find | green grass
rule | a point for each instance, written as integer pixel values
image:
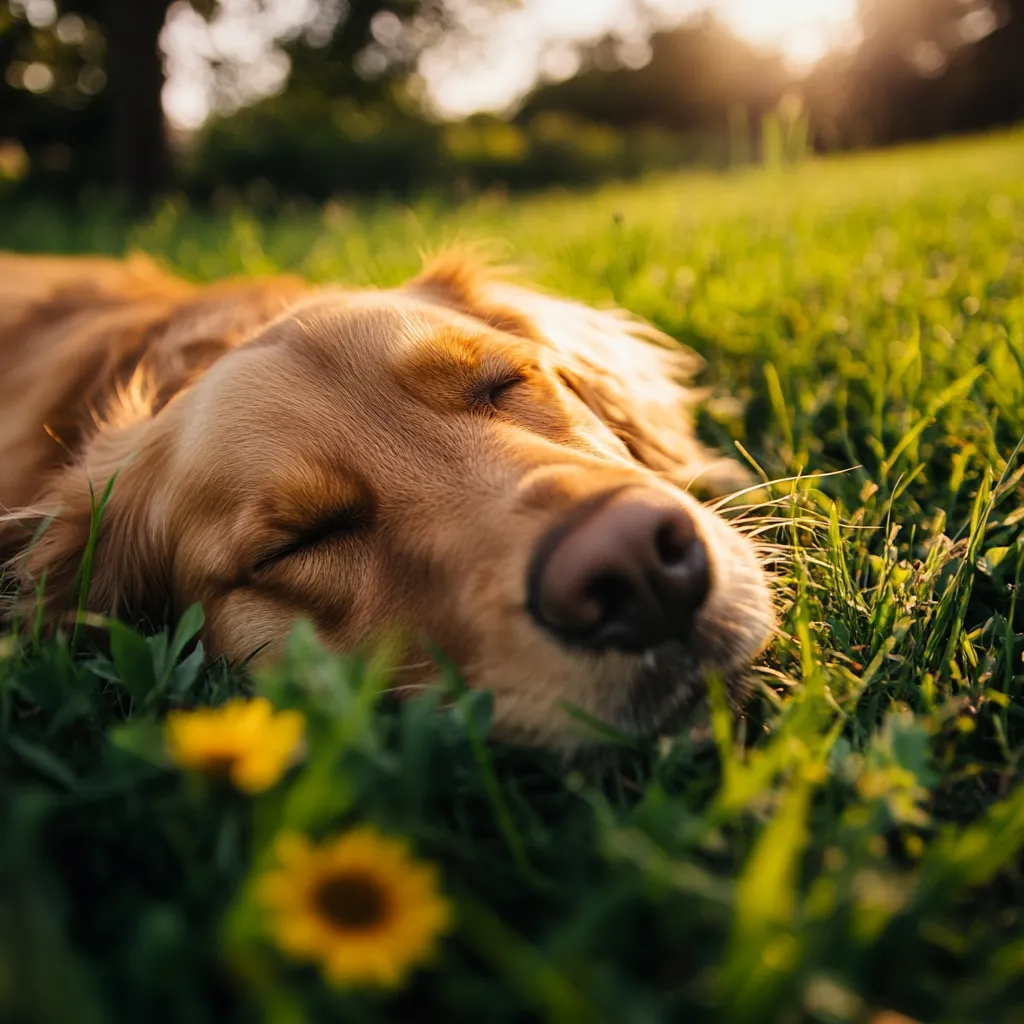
(851, 845)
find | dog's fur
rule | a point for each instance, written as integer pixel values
(365, 459)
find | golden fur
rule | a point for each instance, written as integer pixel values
(241, 417)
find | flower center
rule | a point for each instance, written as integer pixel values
(351, 902)
(220, 762)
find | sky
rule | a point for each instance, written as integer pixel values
(534, 38)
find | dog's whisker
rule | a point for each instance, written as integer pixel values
(783, 500)
(805, 522)
(414, 666)
(757, 529)
(406, 688)
(799, 478)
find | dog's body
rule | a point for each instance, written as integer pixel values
(486, 468)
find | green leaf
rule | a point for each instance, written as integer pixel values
(83, 578)
(416, 747)
(188, 627)
(103, 668)
(141, 739)
(45, 763)
(475, 710)
(994, 562)
(158, 652)
(765, 943)
(185, 674)
(598, 729)
(133, 660)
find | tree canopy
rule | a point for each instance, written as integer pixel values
(83, 80)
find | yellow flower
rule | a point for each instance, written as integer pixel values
(246, 740)
(358, 905)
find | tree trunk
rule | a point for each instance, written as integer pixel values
(136, 79)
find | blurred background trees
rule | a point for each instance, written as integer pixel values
(320, 97)
(922, 68)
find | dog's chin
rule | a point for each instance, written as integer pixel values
(591, 696)
(668, 683)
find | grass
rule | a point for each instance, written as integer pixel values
(848, 849)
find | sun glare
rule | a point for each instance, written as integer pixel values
(543, 36)
(515, 45)
(802, 30)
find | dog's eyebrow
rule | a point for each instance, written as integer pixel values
(440, 367)
(307, 494)
(457, 343)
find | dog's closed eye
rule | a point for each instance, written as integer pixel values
(342, 522)
(491, 392)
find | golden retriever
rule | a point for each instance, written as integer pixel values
(501, 474)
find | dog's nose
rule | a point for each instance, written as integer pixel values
(627, 575)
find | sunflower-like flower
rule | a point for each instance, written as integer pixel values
(245, 740)
(358, 905)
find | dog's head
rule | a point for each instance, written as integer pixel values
(497, 473)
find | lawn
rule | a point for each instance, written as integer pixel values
(847, 849)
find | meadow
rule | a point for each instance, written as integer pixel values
(846, 849)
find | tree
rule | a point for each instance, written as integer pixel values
(52, 89)
(84, 77)
(695, 75)
(136, 76)
(924, 68)
(110, 124)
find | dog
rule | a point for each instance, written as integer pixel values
(501, 475)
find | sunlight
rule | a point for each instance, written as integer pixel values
(541, 38)
(802, 30)
(489, 67)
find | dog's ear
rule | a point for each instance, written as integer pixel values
(630, 374)
(461, 281)
(95, 521)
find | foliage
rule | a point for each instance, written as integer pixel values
(80, 95)
(848, 846)
(310, 146)
(696, 74)
(923, 68)
(59, 117)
